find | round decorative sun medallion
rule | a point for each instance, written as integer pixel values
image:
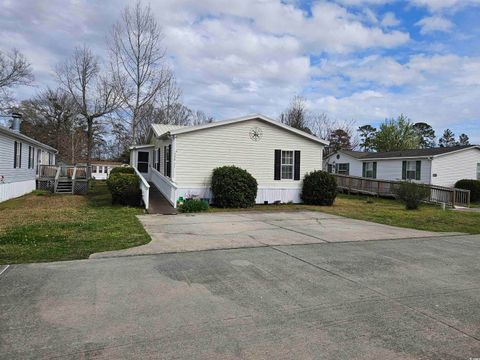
(256, 133)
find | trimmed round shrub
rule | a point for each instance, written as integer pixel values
(122, 170)
(193, 206)
(125, 189)
(412, 194)
(233, 187)
(472, 185)
(319, 188)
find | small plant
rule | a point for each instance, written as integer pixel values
(125, 189)
(233, 187)
(122, 170)
(319, 188)
(193, 206)
(412, 194)
(472, 185)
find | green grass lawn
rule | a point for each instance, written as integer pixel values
(389, 212)
(45, 227)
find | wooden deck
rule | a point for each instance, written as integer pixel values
(63, 179)
(386, 188)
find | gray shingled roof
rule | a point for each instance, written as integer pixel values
(405, 153)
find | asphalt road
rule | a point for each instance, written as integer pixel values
(392, 299)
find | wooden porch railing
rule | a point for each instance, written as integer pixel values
(438, 194)
(50, 175)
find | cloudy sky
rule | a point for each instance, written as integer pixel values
(353, 59)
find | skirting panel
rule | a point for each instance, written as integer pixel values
(16, 189)
(271, 195)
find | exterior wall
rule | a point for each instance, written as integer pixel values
(199, 152)
(102, 175)
(355, 164)
(455, 166)
(392, 169)
(15, 182)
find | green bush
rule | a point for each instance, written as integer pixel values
(125, 189)
(122, 170)
(319, 188)
(412, 194)
(193, 206)
(472, 185)
(233, 187)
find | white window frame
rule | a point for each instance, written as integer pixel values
(369, 168)
(344, 172)
(94, 169)
(285, 165)
(409, 170)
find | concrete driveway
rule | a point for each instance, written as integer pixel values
(255, 229)
(385, 299)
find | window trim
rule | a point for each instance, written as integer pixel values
(337, 169)
(373, 171)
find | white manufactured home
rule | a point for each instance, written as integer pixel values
(20, 159)
(434, 166)
(179, 160)
(101, 168)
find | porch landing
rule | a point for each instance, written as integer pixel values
(158, 204)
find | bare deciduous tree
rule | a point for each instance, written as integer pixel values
(15, 70)
(296, 115)
(94, 93)
(137, 58)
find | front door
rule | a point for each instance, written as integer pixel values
(142, 161)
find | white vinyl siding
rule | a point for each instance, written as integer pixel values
(392, 169)
(449, 168)
(355, 165)
(199, 152)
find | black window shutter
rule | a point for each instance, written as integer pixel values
(277, 165)
(14, 154)
(404, 170)
(374, 169)
(418, 173)
(169, 168)
(29, 156)
(296, 166)
(159, 158)
(165, 160)
(348, 169)
(20, 159)
(364, 169)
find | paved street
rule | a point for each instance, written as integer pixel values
(384, 299)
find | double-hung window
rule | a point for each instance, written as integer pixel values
(17, 155)
(370, 169)
(287, 164)
(31, 157)
(94, 169)
(343, 169)
(411, 170)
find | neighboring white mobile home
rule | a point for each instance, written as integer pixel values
(101, 168)
(20, 158)
(179, 160)
(435, 166)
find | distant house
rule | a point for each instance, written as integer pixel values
(179, 160)
(20, 159)
(436, 166)
(101, 168)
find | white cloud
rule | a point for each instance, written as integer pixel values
(438, 5)
(389, 20)
(433, 24)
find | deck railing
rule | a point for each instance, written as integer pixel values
(50, 175)
(438, 194)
